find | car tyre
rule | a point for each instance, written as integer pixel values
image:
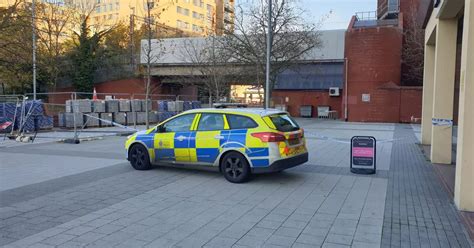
(139, 158)
(235, 167)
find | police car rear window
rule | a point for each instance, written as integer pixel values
(284, 123)
(240, 122)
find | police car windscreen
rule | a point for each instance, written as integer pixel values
(284, 123)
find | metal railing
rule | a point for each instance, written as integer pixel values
(366, 16)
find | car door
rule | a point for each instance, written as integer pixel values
(172, 139)
(206, 139)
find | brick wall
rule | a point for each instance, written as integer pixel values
(374, 56)
(296, 98)
(411, 104)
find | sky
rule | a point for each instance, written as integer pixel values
(339, 11)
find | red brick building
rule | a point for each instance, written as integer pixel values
(373, 53)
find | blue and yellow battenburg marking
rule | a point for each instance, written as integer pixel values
(203, 146)
(206, 146)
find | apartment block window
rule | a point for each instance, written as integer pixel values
(197, 15)
(182, 11)
(111, 6)
(117, 6)
(209, 10)
(182, 25)
(97, 9)
(198, 3)
(197, 28)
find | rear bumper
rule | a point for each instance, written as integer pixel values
(282, 164)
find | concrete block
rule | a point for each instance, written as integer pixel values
(141, 117)
(124, 105)
(107, 117)
(179, 105)
(73, 119)
(131, 117)
(84, 106)
(112, 106)
(121, 118)
(98, 106)
(91, 121)
(136, 105)
(149, 105)
(171, 106)
(153, 116)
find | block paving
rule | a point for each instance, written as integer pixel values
(319, 204)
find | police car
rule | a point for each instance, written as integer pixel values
(237, 142)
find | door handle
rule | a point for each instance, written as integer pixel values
(219, 137)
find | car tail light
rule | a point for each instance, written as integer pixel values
(269, 137)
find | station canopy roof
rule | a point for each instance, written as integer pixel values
(175, 51)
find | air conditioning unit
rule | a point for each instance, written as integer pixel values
(334, 91)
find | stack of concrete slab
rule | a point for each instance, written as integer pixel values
(92, 120)
(121, 118)
(81, 106)
(136, 105)
(131, 118)
(112, 106)
(124, 105)
(73, 120)
(98, 106)
(141, 117)
(123, 111)
(144, 102)
(153, 116)
(106, 119)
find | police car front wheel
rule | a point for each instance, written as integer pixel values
(139, 157)
(235, 167)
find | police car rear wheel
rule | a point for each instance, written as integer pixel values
(235, 167)
(139, 158)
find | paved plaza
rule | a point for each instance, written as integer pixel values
(64, 195)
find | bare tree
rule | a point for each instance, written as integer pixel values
(55, 26)
(147, 49)
(413, 50)
(293, 37)
(212, 62)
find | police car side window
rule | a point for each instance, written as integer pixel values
(211, 122)
(240, 122)
(178, 124)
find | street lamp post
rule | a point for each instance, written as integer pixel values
(269, 50)
(33, 26)
(150, 5)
